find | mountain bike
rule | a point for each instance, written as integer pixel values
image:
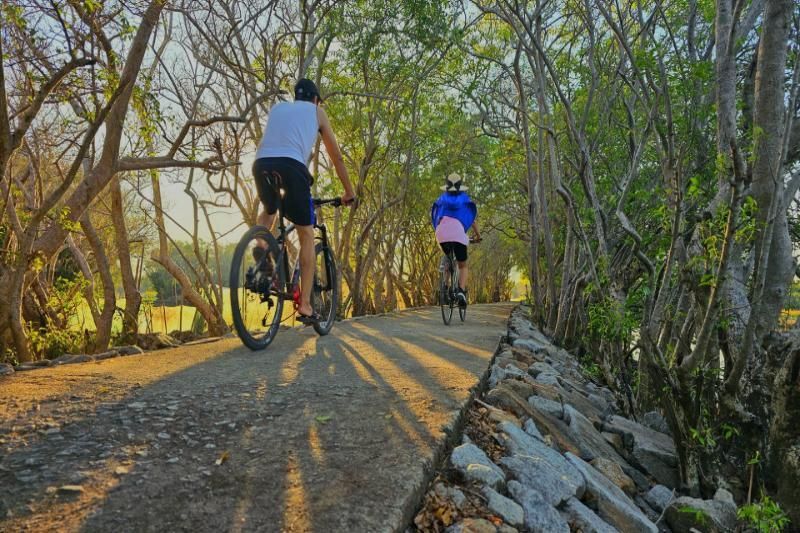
(448, 287)
(260, 282)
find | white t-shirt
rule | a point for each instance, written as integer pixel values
(291, 131)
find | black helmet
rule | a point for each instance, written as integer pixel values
(306, 90)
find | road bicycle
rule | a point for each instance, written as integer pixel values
(448, 287)
(260, 282)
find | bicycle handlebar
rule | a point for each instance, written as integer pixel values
(335, 202)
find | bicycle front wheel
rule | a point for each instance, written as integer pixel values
(256, 277)
(445, 298)
(325, 295)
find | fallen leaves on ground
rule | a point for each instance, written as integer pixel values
(222, 458)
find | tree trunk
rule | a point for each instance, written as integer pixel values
(105, 319)
(133, 300)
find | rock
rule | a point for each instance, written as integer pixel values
(82, 358)
(709, 516)
(472, 525)
(614, 473)
(498, 415)
(655, 421)
(106, 355)
(205, 340)
(528, 344)
(613, 505)
(581, 518)
(592, 445)
(506, 397)
(540, 516)
(547, 379)
(523, 388)
(600, 403)
(505, 528)
(615, 439)
(473, 464)
(62, 359)
(450, 493)
(129, 350)
(6, 369)
(70, 490)
(550, 407)
(531, 429)
(497, 375)
(503, 397)
(538, 368)
(659, 497)
(509, 510)
(540, 476)
(651, 513)
(156, 341)
(652, 451)
(121, 470)
(41, 363)
(724, 496)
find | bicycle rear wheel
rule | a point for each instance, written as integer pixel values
(445, 289)
(256, 276)
(325, 294)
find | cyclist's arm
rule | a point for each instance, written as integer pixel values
(334, 152)
(475, 230)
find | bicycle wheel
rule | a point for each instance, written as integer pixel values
(325, 295)
(445, 298)
(256, 277)
(453, 283)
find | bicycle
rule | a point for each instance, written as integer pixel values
(257, 304)
(448, 286)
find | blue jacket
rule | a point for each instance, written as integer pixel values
(455, 205)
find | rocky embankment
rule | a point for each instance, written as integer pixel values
(545, 450)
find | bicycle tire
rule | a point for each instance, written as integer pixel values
(445, 300)
(329, 284)
(236, 285)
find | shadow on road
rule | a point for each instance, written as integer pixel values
(322, 434)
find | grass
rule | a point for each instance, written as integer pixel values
(164, 319)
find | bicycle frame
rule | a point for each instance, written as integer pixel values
(284, 230)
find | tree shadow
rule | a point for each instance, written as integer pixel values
(313, 434)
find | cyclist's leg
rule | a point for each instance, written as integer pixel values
(307, 264)
(446, 247)
(299, 208)
(461, 258)
(262, 171)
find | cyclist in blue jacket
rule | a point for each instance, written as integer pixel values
(452, 215)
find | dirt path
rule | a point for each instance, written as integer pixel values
(315, 434)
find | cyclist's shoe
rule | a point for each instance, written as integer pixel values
(461, 296)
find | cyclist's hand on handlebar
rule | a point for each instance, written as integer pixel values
(349, 199)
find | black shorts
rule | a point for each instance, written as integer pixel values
(298, 205)
(459, 249)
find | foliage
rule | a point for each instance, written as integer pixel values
(765, 515)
